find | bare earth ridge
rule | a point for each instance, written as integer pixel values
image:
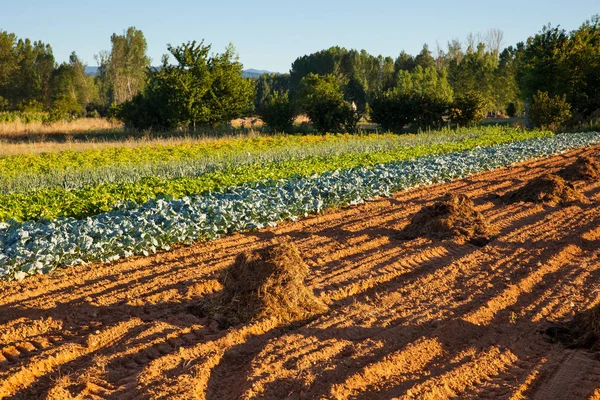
(407, 319)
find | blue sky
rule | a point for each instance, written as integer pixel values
(271, 34)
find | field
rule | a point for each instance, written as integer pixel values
(99, 307)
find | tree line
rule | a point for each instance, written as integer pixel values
(555, 72)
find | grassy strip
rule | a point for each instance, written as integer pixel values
(57, 202)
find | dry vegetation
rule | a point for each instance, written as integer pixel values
(77, 126)
(265, 283)
(585, 168)
(550, 188)
(455, 217)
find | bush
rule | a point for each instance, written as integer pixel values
(468, 109)
(64, 109)
(549, 111)
(393, 110)
(32, 106)
(278, 112)
(322, 100)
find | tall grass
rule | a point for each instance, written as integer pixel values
(20, 127)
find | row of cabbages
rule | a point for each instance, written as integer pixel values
(40, 247)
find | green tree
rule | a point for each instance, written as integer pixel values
(199, 89)
(421, 98)
(424, 59)
(269, 84)
(322, 99)
(122, 72)
(70, 85)
(25, 71)
(278, 112)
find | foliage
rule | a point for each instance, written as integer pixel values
(36, 248)
(278, 112)
(25, 71)
(72, 89)
(468, 109)
(268, 85)
(198, 90)
(421, 99)
(392, 110)
(321, 98)
(558, 62)
(230, 171)
(23, 117)
(122, 71)
(549, 111)
(64, 108)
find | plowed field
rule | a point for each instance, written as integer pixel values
(407, 319)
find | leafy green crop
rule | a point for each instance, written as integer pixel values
(57, 202)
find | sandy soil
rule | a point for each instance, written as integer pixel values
(418, 319)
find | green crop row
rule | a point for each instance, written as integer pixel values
(223, 148)
(57, 202)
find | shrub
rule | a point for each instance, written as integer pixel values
(549, 111)
(428, 111)
(64, 109)
(322, 100)
(32, 106)
(278, 112)
(391, 110)
(468, 109)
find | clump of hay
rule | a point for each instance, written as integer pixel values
(584, 168)
(549, 188)
(452, 218)
(583, 331)
(267, 282)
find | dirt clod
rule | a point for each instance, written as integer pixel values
(268, 282)
(551, 189)
(452, 218)
(584, 168)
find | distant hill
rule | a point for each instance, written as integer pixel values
(93, 71)
(255, 73)
(247, 73)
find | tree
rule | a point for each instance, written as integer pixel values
(25, 71)
(70, 85)
(321, 98)
(122, 72)
(278, 112)
(404, 62)
(198, 89)
(424, 59)
(420, 98)
(230, 94)
(269, 84)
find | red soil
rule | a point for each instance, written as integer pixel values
(407, 319)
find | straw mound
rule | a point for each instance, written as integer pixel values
(268, 282)
(453, 218)
(581, 332)
(546, 189)
(585, 168)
